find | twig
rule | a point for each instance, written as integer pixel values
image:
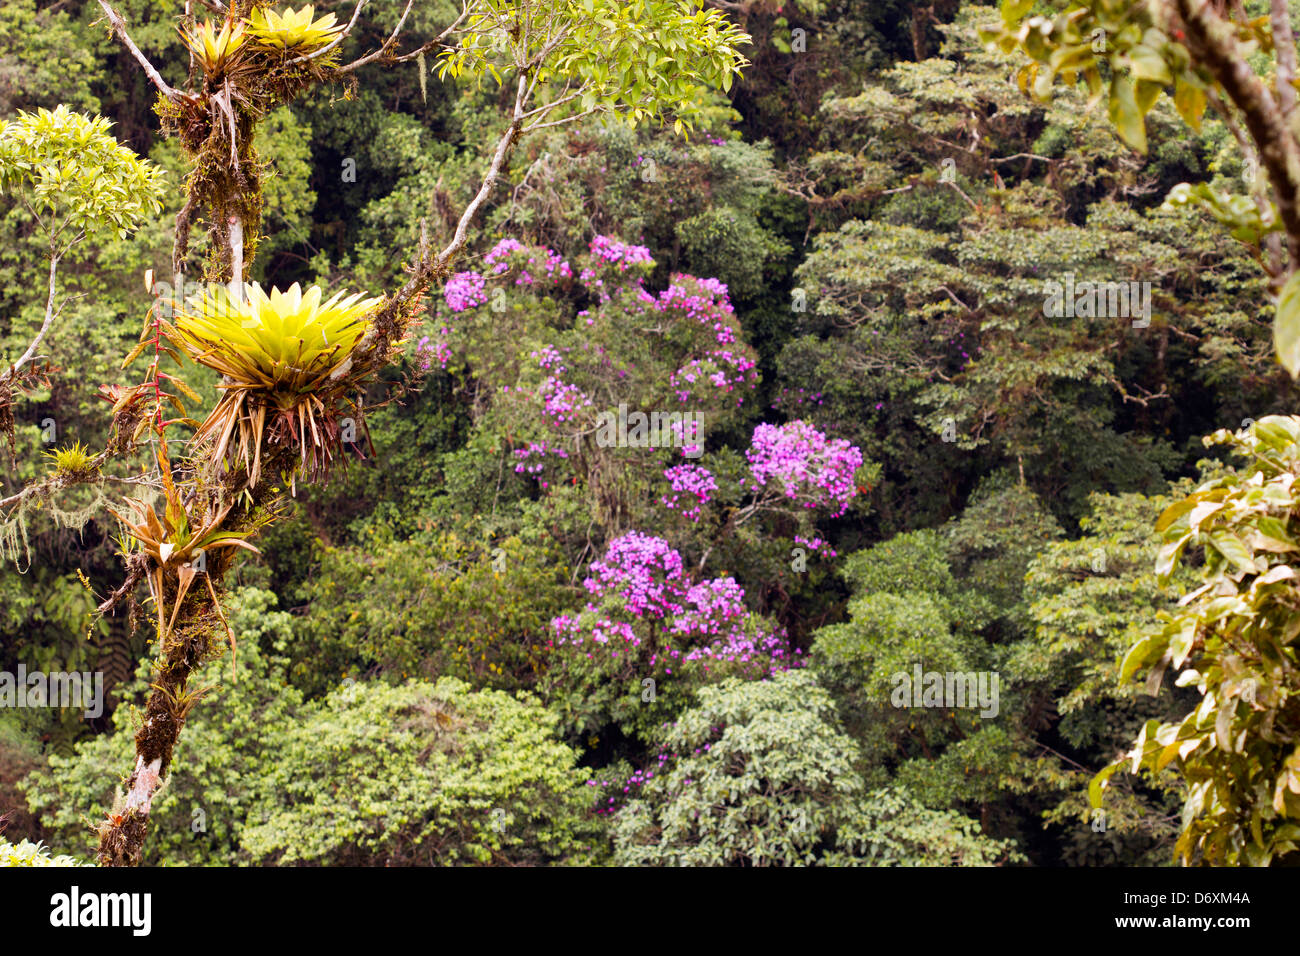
(50, 313)
(119, 27)
(382, 52)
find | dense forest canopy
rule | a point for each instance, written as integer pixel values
(749, 432)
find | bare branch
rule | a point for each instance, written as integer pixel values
(560, 122)
(1007, 159)
(50, 313)
(490, 179)
(382, 52)
(972, 202)
(1284, 44)
(428, 267)
(554, 103)
(119, 27)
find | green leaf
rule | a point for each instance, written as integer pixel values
(1146, 93)
(1174, 512)
(1098, 783)
(1014, 10)
(1271, 535)
(1232, 548)
(1148, 64)
(1135, 657)
(1124, 113)
(1167, 557)
(1275, 433)
(1190, 101)
(1286, 326)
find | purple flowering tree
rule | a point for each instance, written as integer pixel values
(601, 348)
(650, 633)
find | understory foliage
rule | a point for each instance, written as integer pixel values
(417, 771)
(758, 774)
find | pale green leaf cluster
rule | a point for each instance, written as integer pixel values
(1117, 49)
(1233, 639)
(74, 176)
(370, 775)
(640, 59)
(26, 853)
(422, 773)
(1239, 212)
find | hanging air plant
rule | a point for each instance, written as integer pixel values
(71, 461)
(172, 547)
(285, 358)
(217, 51)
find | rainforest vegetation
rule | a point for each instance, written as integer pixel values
(649, 432)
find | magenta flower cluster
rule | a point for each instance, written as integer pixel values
(467, 290)
(720, 627)
(561, 400)
(612, 257)
(704, 622)
(501, 251)
(724, 369)
(428, 351)
(809, 467)
(703, 300)
(816, 544)
(643, 570)
(464, 290)
(690, 480)
(528, 260)
(535, 451)
(621, 255)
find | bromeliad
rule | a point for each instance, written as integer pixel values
(292, 31)
(172, 545)
(286, 355)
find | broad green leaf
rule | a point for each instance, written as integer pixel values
(1168, 554)
(1232, 548)
(1126, 116)
(1286, 326)
(1148, 64)
(1174, 512)
(1190, 101)
(1098, 783)
(1136, 655)
(1014, 10)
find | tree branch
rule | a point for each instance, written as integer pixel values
(1214, 45)
(50, 313)
(382, 52)
(373, 347)
(1284, 44)
(119, 27)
